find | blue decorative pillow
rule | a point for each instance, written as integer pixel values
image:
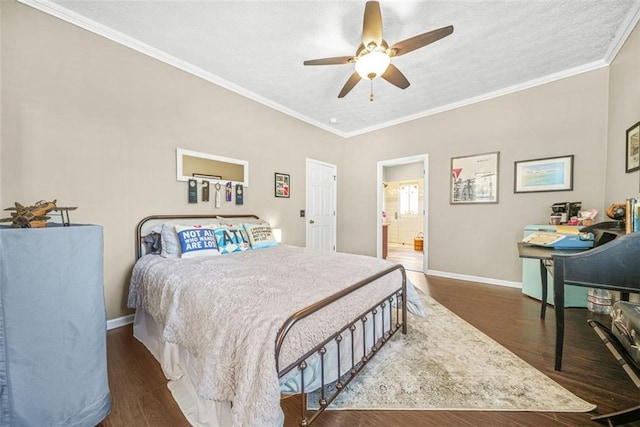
(232, 239)
(197, 240)
(260, 235)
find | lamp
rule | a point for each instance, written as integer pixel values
(372, 64)
(277, 234)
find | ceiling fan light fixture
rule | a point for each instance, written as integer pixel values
(373, 55)
(372, 65)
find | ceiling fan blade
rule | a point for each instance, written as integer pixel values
(330, 61)
(372, 25)
(353, 80)
(420, 40)
(395, 77)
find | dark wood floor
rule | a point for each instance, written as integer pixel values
(140, 396)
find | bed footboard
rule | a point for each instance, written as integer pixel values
(390, 318)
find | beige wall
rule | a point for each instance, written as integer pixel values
(96, 125)
(403, 172)
(624, 112)
(560, 118)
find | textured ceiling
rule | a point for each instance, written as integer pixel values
(257, 48)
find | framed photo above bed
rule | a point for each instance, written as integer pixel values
(282, 185)
(474, 179)
(548, 174)
(632, 150)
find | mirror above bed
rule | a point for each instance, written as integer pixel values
(203, 166)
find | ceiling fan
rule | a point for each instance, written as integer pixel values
(373, 56)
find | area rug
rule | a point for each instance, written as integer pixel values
(444, 363)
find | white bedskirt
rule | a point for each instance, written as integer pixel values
(176, 363)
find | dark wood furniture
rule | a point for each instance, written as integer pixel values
(385, 240)
(545, 255)
(614, 266)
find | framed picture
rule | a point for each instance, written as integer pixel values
(633, 148)
(474, 179)
(282, 185)
(548, 174)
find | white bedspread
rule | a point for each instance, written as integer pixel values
(227, 310)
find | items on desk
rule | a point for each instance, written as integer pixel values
(564, 237)
(627, 214)
(565, 210)
(587, 217)
(574, 220)
(632, 215)
(616, 211)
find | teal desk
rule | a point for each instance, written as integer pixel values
(545, 257)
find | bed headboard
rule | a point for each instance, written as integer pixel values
(147, 224)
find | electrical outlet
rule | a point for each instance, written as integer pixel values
(301, 213)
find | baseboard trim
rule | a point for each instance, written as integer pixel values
(488, 281)
(119, 322)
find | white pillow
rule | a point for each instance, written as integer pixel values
(169, 241)
(260, 235)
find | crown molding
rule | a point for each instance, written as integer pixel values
(71, 17)
(85, 23)
(630, 22)
(487, 96)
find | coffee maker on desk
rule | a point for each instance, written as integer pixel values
(562, 212)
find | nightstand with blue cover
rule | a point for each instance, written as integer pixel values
(53, 355)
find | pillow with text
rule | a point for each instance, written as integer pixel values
(260, 235)
(232, 239)
(197, 240)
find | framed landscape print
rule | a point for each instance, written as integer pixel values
(548, 174)
(474, 179)
(632, 150)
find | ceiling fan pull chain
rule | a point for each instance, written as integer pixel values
(371, 95)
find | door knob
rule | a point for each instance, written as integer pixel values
(311, 221)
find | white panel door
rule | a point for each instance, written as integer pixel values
(321, 205)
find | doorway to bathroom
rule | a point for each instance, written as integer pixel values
(402, 207)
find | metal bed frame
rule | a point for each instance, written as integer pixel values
(327, 393)
(396, 316)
